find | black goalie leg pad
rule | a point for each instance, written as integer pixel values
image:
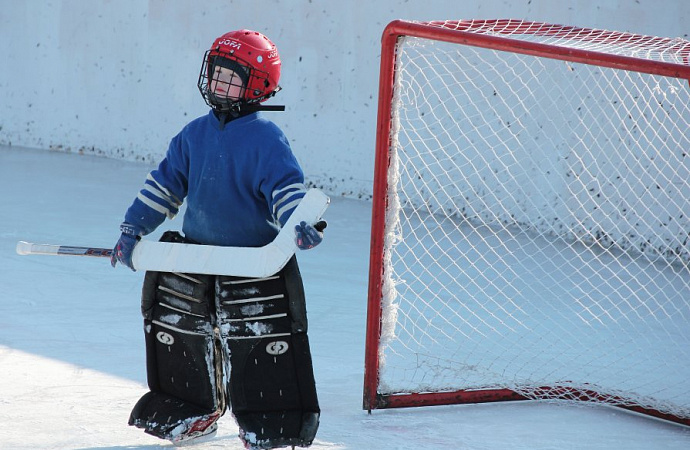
(183, 357)
(273, 395)
(271, 386)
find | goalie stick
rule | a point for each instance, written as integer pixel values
(28, 248)
(255, 262)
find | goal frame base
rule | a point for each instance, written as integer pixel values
(463, 397)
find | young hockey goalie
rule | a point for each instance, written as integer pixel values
(214, 341)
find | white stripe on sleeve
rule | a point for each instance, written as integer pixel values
(155, 206)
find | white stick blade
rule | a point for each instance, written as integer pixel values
(235, 261)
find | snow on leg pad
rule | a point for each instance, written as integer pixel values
(271, 386)
(253, 307)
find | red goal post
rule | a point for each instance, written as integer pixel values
(590, 224)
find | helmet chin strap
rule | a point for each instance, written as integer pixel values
(260, 107)
(242, 109)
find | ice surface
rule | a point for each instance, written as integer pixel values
(72, 342)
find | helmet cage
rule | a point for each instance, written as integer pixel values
(257, 82)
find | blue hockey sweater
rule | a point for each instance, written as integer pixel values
(241, 182)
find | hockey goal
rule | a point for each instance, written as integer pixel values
(531, 218)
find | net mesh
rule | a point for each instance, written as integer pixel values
(537, 231)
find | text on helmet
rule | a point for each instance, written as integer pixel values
(230, 43)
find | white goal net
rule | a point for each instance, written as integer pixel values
(535, 224)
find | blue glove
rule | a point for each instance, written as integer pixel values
(309, 236)
(125, 245)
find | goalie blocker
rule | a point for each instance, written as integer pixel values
(215, 341)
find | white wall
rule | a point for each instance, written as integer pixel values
(118, 77)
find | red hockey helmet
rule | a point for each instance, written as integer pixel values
(253, 57)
